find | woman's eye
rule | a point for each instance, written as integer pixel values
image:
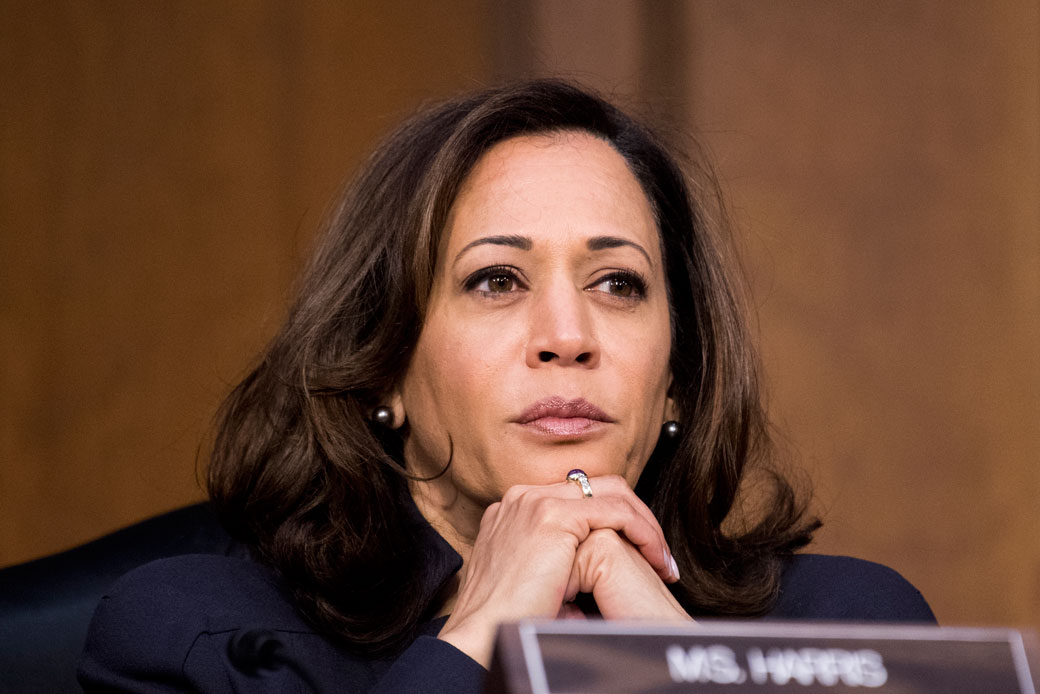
(493, 280)
(498, 283)
(622, 285)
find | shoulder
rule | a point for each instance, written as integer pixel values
(223, 591)
(166, 627)
(821, 587)
(153, 618)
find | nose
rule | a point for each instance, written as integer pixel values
(562, 330)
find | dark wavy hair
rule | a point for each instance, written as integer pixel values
(300, 474)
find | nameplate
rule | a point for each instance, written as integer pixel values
(578, 657)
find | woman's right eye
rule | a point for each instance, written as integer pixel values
(498, 283)
(493, 280)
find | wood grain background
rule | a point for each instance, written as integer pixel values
(162, 169)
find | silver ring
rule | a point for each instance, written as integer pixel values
(582, 479)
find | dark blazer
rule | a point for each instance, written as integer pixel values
(165, 627)
(46, 604)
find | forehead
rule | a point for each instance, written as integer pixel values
(545, 185)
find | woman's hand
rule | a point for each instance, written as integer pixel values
(541, 545)
(621, 581)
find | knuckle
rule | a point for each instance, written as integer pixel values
(546, 509)
(490, 513)
(615, 484)
(514, 494)
(602, 539)
(621, 506)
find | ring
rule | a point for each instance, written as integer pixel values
(582, 479)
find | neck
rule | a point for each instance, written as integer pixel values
(455, 518)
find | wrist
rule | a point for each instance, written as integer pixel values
(476, 641)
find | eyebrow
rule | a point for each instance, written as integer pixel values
(597, 243)
(601, 243)
(521, 242)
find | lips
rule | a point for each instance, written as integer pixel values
(556, 416)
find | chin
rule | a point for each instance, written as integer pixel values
(552, 468)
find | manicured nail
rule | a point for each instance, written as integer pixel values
(675, 568)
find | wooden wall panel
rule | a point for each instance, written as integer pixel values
(883, 160)
(162, 168)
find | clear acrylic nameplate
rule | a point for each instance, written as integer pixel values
(578, 657)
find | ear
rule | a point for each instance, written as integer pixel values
(397, 405)
(671, 410)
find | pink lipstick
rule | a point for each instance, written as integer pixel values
(558, 417)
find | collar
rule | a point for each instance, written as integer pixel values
(440, 561)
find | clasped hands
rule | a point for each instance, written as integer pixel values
(540, 546)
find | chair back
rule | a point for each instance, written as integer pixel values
(46, 605)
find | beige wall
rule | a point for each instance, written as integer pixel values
(161, 172)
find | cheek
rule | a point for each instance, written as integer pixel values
(452, 400)
(449, 376)
(644, 363)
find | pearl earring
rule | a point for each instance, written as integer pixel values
(383, 416)
(671, 429)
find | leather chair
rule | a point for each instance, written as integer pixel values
(46, 604)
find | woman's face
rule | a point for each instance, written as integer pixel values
(546, 340)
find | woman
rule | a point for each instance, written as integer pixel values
(516, 383)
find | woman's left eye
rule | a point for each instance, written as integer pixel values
(624, 285)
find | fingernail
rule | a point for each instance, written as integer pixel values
(675, 568)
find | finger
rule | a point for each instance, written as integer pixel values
(603, 486)
(569, 610)
(615, 484)
(582, 517)
(621, 582)
(613, 506)
(490, 515)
